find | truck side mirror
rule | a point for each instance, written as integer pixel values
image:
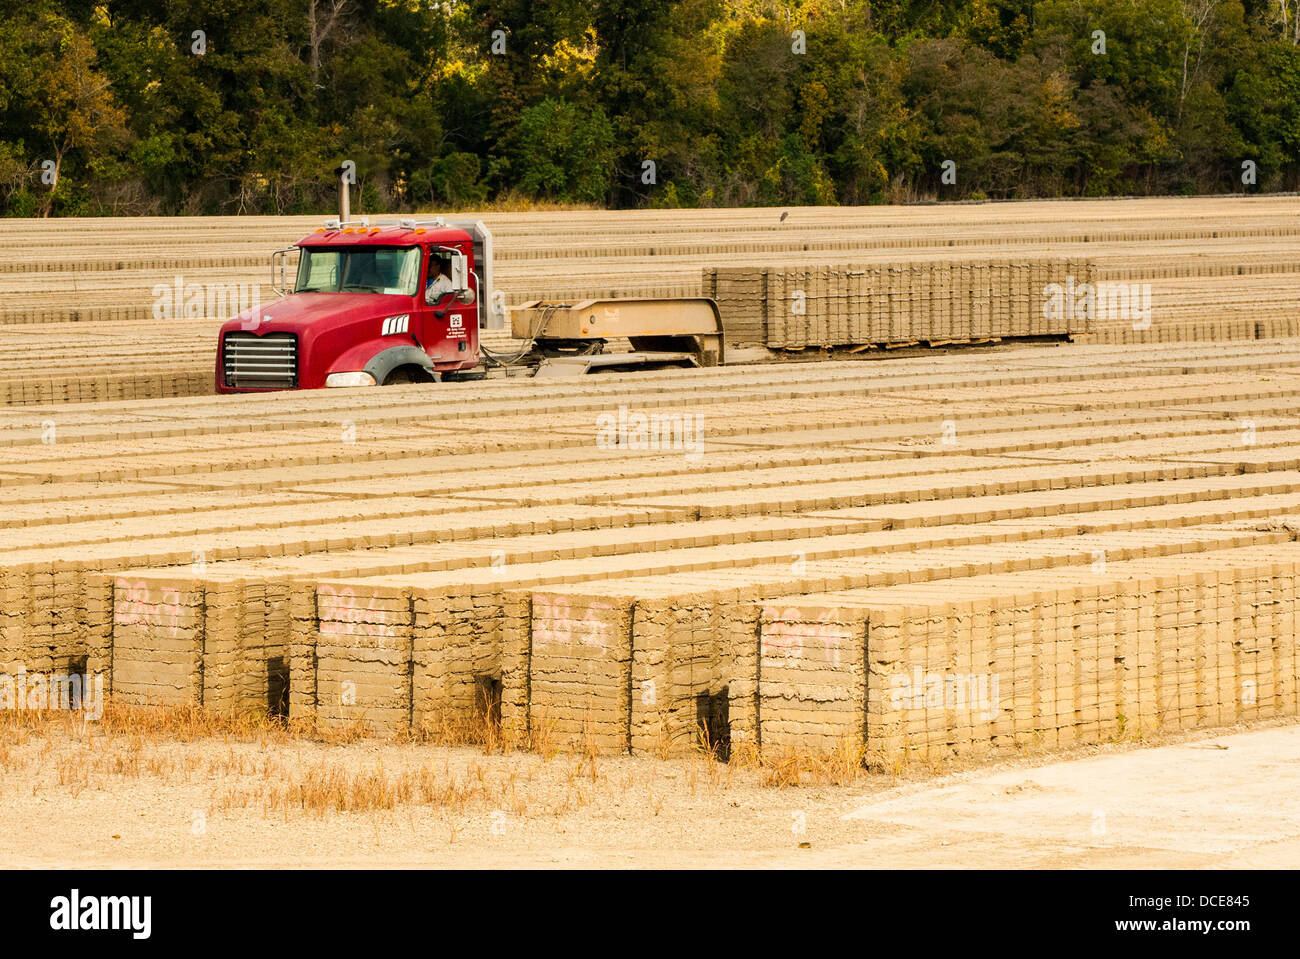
(459, 272)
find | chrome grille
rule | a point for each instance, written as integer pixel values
(260, 362)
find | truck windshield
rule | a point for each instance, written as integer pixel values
(370, 269)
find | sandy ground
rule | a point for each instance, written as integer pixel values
(1210, 800)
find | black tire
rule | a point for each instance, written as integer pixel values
(405, 375)
(643, 368)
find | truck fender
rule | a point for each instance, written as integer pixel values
(385, 361)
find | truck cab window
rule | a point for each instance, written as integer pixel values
(392, 270)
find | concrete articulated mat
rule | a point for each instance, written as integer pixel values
(1082, 541)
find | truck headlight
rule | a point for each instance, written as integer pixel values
(349, 379)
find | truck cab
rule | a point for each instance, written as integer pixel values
(358, 314)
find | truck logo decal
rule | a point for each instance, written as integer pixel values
(396, 324)
(457, 322)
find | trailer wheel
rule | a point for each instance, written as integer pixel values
(644, 367)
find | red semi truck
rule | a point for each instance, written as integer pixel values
(360, 314)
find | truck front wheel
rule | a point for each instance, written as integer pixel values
(411, 374)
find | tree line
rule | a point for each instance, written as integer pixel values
(223, 106)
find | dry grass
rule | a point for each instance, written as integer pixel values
(330, 787)
(237, 767)
(130, 740)
(492, 738)
(252, 763)
(844, 765)
(512, 201)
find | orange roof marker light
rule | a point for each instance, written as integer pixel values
(362, 227)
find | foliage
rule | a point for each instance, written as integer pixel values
(564, 152)
(472, 102)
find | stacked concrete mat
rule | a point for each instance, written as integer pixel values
(904, 303)
(935, 669)
(402, 658)
(449, 555)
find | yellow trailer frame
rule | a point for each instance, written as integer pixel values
(663, 332)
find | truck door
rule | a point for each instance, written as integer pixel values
(462, 318)
(431, 330)
(450, 327)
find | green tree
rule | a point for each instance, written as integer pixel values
(565, 153)
(76, 106)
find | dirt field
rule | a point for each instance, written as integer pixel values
(1215, 799)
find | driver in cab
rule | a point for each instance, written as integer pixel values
(439, 280)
